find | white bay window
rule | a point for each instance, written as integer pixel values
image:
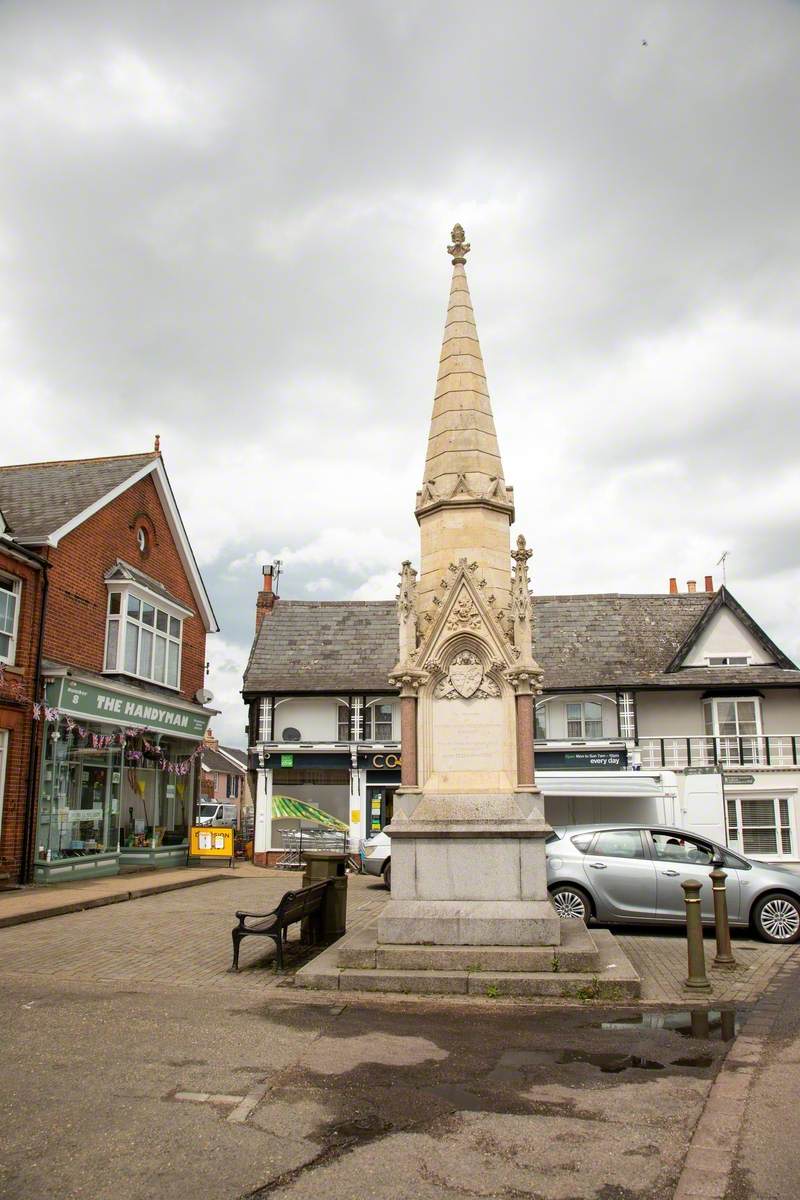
(736, 722)
(143, 637)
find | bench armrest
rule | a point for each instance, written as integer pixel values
(241, 916)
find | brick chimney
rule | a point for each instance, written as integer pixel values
(691, 585)
(265, 601)
(209, 740)
(709, 583)
(673, 586)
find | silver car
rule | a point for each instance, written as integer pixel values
(623, 872)
(633, 873)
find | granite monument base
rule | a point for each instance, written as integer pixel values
(469, 870)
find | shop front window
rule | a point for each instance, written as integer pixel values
(79, 806)
(156, 803)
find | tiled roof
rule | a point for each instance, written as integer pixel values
(318, 646)
(214, 761)
(240, 756)
(597, 641)
(38, 498)
(124, 570)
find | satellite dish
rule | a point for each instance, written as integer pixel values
(203, 696)
(290, 734)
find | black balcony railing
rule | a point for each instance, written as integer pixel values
(748, 750)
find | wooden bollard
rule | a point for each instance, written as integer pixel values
(697, 977)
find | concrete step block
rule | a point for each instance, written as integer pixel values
(420, 983)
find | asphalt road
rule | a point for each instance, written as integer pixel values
(401, 1099)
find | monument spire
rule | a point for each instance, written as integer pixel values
(462, 463)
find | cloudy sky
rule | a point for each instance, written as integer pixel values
(226, 223)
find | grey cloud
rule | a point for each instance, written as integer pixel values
(227, 223)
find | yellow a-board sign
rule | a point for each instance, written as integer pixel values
(211, 841)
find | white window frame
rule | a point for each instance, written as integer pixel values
(123, 618)
(748, 661)
(16, 591)
(724, 740)
(540, 715)
(264, 719)
(583, 734)
(777, 797)
(389, 701)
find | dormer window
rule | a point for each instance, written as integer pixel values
(728, 660)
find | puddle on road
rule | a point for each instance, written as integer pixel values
(344, 1134)
(610, 1064)
(707, 1024)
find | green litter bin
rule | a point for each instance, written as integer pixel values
(332, 865)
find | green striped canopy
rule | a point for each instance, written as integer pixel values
(300, 810)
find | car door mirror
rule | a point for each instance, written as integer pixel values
(717, 862)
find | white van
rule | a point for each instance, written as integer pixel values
(213, 812)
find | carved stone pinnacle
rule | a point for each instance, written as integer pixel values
(459, 249)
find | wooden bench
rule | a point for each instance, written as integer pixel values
(294, 907)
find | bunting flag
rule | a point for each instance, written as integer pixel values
(120, 737)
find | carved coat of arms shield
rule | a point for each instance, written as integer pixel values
(466, 674)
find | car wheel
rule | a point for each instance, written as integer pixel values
(777, 918)
(387, 876)
(571, 903)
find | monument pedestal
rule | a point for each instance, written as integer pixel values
(469, 870)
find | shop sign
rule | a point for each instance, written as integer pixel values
(301, 760)
(582, 760)
(81, 699)
(386, 762)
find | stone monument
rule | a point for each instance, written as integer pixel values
(469, 906)
(468, 829)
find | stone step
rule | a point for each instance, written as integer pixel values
(614, 978)
(576, 952)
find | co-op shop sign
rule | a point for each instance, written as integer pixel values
(386, 762)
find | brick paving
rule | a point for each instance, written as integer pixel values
(174, 938)
(182, 938)
(660, 958)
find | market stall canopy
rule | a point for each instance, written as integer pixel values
(286, 806)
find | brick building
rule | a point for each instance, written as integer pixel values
(123, 662)
(23, 584)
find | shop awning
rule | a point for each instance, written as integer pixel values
(624, 786)
(300, 810)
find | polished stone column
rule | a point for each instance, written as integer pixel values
(525, 770)
(408, 740)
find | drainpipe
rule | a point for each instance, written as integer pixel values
(32, 804)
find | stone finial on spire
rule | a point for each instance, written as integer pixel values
(459, 248)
